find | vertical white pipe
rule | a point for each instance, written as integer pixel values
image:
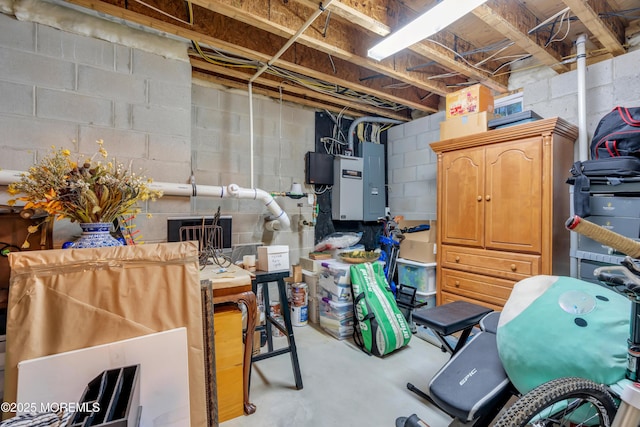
(583, 140)
(283, 49)
(251, 133)
(583, 143)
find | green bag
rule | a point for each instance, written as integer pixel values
(381, 327)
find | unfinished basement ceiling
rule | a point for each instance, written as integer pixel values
(327, 65)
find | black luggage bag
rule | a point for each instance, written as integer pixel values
(610, 170)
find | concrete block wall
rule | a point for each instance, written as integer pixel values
(221, 146)
(412, 167)
(69, 90)
(609, 84)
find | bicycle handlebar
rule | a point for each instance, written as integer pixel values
(601, 235)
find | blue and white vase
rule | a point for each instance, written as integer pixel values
(94, 235)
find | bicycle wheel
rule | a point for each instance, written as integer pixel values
(566, 402)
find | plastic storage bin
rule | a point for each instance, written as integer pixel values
(336, 317)
(417, 275)
(428, 297)
(334, 281)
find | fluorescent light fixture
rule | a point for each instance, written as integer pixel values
(435, 19)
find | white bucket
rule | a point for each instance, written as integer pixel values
(299, 315)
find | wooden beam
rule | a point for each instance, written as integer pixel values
(342, 40)
(608, 30)
(393, 14)
(246, 41)
(285, 95)
(514, 21)
(276, 84)
(355, 16)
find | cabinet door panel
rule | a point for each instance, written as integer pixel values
(513, 199)
(463, 211)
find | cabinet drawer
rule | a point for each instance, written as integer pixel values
(446, 297)
(507, 265)
(491, 290)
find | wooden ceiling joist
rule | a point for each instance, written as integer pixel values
(513, 20)
(276, 84)
(597, 17)
(248, 44)
(261, 87)
(331, 53)
(341, 40)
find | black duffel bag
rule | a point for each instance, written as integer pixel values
(617, 134)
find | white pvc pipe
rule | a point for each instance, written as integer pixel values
(283, 49)
(251, 139)
(280, 218)
(8, 176)
(583, 140)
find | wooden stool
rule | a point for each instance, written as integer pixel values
(264, 278)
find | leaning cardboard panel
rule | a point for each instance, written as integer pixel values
(68, 299)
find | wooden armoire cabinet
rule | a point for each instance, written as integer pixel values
(502, 204)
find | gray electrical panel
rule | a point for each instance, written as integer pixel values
(374, 200)
(347, 193)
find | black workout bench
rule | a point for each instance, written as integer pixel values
(448, 319)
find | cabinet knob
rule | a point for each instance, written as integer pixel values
(479, 198)
(457, 284)
(457, 259)
(513, 267)
(487, 197)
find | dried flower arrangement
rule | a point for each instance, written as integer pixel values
(89, 192)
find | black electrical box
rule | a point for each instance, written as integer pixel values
(318, 168)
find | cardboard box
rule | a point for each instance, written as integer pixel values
(468, 124)
(309, 264)
(296, 273)
(472, 99)
(273, 258)
(419, 246)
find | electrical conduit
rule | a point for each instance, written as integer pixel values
(359, 120)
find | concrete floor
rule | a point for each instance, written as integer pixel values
(343, 386)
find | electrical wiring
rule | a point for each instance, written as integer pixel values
(360, 131)
(627, 13)
(224, 60)
(333, 65)
(443, 76)
(518, 58)
(552, 38)
(313, 84)
(397, 86)
(458, 55)
(316, 85)
(492, 56)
